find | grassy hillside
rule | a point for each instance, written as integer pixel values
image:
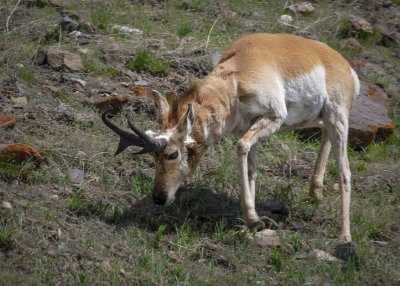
(85, 217)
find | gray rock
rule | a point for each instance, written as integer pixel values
(301, 8)
(40, 57)
(67, 24)
(59, 59)
(267, 237)
(75, 175)
(20, 101)
(141, 83)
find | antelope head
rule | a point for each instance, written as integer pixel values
(175, 152)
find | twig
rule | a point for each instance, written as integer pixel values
(209, 33)
(9, 16)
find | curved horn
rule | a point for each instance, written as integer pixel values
(152, 144)
(138, 138)
(121, 132)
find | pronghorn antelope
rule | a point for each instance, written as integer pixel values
(263, 83)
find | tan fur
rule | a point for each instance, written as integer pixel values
(246, 94)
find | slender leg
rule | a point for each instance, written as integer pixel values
(262, 128)
(338, 136)
(252, 171)
(317, 180)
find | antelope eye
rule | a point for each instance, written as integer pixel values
(172, 156)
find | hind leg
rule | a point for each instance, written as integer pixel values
(337, 127)
(317, 180)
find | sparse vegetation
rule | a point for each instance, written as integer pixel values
(106, 229)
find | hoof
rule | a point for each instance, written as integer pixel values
(257, 225)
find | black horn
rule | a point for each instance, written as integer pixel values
(138, 138)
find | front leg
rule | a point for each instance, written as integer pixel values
(262, 128)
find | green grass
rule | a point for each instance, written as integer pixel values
(108, 230)
(146, 61)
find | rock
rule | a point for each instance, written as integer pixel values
(285, 19)
(21, 101)
(111, 51)
(384, 30)
(5, 205)
(149, 172)
(68, 24)
(40, 57)
(127, 29)
(360, 24)
(381, 243)
(73, 79)
(325, 256)
(309, 154)
(141, 83)
(267, 237)
(75, 175)
(59, 59)
(348, 252)
(350, 43)
(302, 171)
(87, 27)
(68, 114)
(369, 120)
(274, 207)
(71, 14)
(20, 152)
(7, 121)
(301, 8)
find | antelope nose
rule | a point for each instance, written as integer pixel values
(160, 198)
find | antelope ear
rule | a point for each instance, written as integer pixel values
(185, 124)
(162, 107)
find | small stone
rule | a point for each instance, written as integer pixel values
(67, 24)
(6, 205)
(285, 19)
(309, 154)
(215, 57)
(54, 197)
(150, 172)
(40, 57)
(127, 29)
(7, 120)
(87, 27)
(75, 175)
(325, 256)
(59, 59)
(104, 102)
(350, 43)
(274, 207)
(267, 237)
(21, 101)
(301, 8)
(360, 24)
(381, 243)
(141, 83)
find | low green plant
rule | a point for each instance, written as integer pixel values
(277, 259)
(27, 75)
(83, 207)
(102, 17)
(184, 30)
(146, 61)
(5, 240)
